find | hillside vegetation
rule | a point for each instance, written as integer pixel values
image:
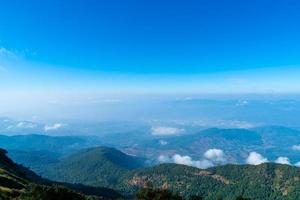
(17, 182)
(99, 167)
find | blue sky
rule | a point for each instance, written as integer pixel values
(136, 46)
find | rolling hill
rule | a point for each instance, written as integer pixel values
(94, 166)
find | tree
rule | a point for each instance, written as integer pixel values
(150, 193)
(195, 197)
(242, 198)
(41, 192)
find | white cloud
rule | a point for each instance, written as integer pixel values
(296, 147)
(163, 142)
(225, 124)
(203, 164)
(297, 164)
(184, 160)
(166, 131)
(53, 127)
(283, 160)
(256, 159)
(164, 159)
(187, 160)
(241, 103)
(235, 124)
(21, 125)
(211, 158)
(25, 125)
(216, 155)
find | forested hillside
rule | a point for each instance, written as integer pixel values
(17, 182)
(99, 167)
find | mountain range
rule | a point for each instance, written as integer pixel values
(103, 167)
(85, 165)
(271, 141)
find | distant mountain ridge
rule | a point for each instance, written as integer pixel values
(270, 141)
(35, 142)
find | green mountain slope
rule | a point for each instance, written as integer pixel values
(265, 181)
(35, 160)
(17, 182)
(104, 167)
(95, 166)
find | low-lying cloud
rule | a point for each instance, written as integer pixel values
(216, 155)
(187, 160)
(22, 125)
(184, 160)
(164, 159)
(283, 160)
(297, 164)
(53, 127)
(163, 142)
(211, 158)
(255, 158)
(166, 131)
(296, 147)
(25, 125)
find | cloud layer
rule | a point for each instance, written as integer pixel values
(211, 158)
(53, 127)
(296, 147)
(166, 131)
